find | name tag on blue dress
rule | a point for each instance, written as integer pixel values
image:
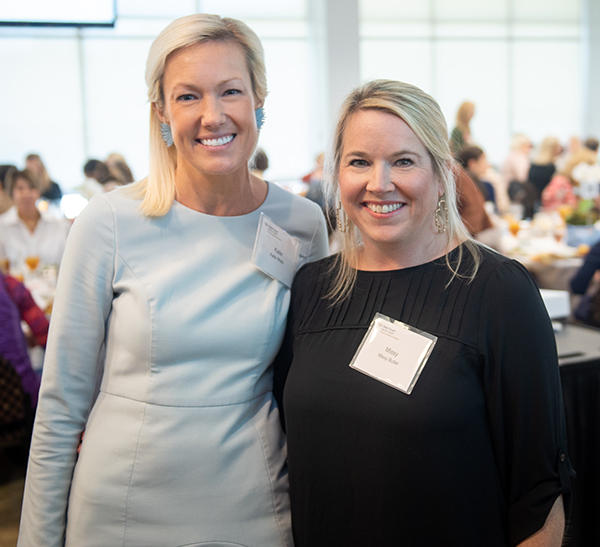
(393, 353)
(275, 251)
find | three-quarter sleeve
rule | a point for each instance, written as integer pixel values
(83, 302)
(524, 399)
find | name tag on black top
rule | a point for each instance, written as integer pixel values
(393, 353)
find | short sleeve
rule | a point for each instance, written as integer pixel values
(524, 399)
(82, 305)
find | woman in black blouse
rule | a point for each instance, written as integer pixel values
(471, 451)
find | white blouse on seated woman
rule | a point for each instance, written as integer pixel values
(17, 241)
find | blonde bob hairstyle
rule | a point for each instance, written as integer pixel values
(424, 116)
(158, 188)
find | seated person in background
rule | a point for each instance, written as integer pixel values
(486, 178)
(475, 162)
(48, 188)
(560, 189)
(118, 168)
(591, 144)
(98, 171)
(515, 171)
(471, 207)
(543, 167)
(581, 280)
(315, 181)
(16, 305)
(588, 309)
(500, 186)
(516, 165)
(90, 187)
(259, 163)
(5, 201)
(27, 232)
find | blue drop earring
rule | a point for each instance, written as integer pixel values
(260, 117)
(167, 135)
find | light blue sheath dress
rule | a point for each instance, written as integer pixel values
(182, 443)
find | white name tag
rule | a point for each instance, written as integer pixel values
(393, 353)
(275, 251)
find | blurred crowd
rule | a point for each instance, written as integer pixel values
(33, 233)
(548, 176)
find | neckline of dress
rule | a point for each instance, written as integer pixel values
(440, 261)
(178, 205)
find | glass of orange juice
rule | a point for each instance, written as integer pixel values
(513, 226)
(32, 262)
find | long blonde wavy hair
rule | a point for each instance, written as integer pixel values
(424, 116)
(157, 190)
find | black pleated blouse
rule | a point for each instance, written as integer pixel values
(474, 456)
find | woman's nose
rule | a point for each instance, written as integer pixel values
(380, 179)
(212, 112)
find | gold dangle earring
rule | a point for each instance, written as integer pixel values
(441, 215)
(341, 217)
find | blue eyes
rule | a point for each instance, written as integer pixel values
(190, 96)
(402, 162)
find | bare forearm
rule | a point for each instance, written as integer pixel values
(551, 534)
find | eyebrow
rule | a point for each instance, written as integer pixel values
(219, 84)
(402, 152)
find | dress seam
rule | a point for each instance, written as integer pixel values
(150, 315)
(137, 447)
(262, 447)
(184, 406)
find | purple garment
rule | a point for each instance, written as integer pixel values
(13, 346)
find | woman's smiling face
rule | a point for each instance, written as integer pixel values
(209, 104)
(389, 189)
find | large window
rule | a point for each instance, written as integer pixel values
(520, 62)
(71, 95)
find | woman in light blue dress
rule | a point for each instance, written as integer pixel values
(164, 329)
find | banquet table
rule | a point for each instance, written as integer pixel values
(552, 274)
(551, 263)
(579, 360)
